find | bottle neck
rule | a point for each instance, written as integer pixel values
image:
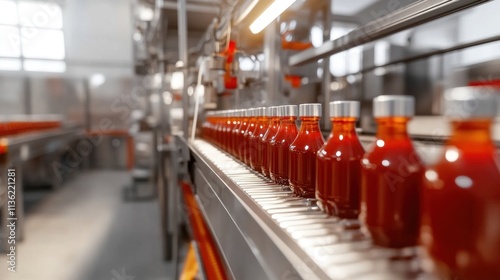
(467, 132)
(287, 121)
(309, 124)
(343, 126)
(394, 128)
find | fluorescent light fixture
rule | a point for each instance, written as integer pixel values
(271, 13)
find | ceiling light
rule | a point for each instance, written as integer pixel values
(270, 14)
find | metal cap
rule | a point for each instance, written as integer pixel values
(273, 111)
(394, 106)
(344, 109)
(471, 102)
(260, 111)
(288, 111)
(310, 110)
(244, 113)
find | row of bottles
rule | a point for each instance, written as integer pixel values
(452, 208)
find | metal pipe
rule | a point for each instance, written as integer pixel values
(183, 57)
(404, 18)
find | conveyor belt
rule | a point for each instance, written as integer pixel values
(263, 230)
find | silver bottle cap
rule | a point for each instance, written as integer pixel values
(288, 111)
(273, 111)
(393, 106)
(244, 113)
(471, 102)
(344, 109)
(310, 110)
(260, 111)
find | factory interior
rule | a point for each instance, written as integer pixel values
(249, 139)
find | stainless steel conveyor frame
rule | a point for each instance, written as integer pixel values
(21, 148)
(263, 231)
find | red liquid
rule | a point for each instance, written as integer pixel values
(391, 178)
(240, 140)
(303, 150)
(225, 133)
(247, 138)
(234, 136)
(461, 205)
(266, 145)
(280, 150)
(256, 153)
(338, 181)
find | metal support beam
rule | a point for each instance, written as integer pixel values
(195, 8)
(412, 15)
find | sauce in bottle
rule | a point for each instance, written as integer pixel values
(391, 176)
(338, 176)
(240, 140)
(280, 144)
(266, 140)
(461, 193)
(235, 133)
(255, 145)
(252, 121)
(302, 168)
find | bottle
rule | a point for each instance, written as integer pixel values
(265, 141)
(302, 168)
(280, 144)
(391, 176)
(255, 144)
(252, 119)
(226, 129)
(235, 133)
(240, 141)
(461, 192)
(338, 171)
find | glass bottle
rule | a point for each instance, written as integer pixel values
(235, 133)
(227, 128)
(241, 134)
(280, 144)
(255, 145)
(391, 176)
(302, 167)
(252, 120)
(461, 192)
(265, 141)
(338, 176)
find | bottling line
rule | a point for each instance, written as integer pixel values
(281, 139)
(352, 191)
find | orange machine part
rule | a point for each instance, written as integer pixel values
(190, 269)
(295, 45)
(492, 83)
(294, 80)
(230, 82)
(210, 258)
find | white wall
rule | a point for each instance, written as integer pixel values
(98, 37)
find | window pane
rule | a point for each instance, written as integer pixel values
(44, 65)
(8, 12)
(9, 41)
(42, 43)
(10, 64)
(38, 14)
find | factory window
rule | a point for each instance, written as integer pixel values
(31, 36)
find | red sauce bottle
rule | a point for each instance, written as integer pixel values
(338, 176)
(280, 144)
(235, 133)
(255, 145)
(461, 193)
(391, 176)
(252, 121)
(265, 141)
(226, 129)
(240, 140)
(302, 168)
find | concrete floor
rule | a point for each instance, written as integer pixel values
(84, 231)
